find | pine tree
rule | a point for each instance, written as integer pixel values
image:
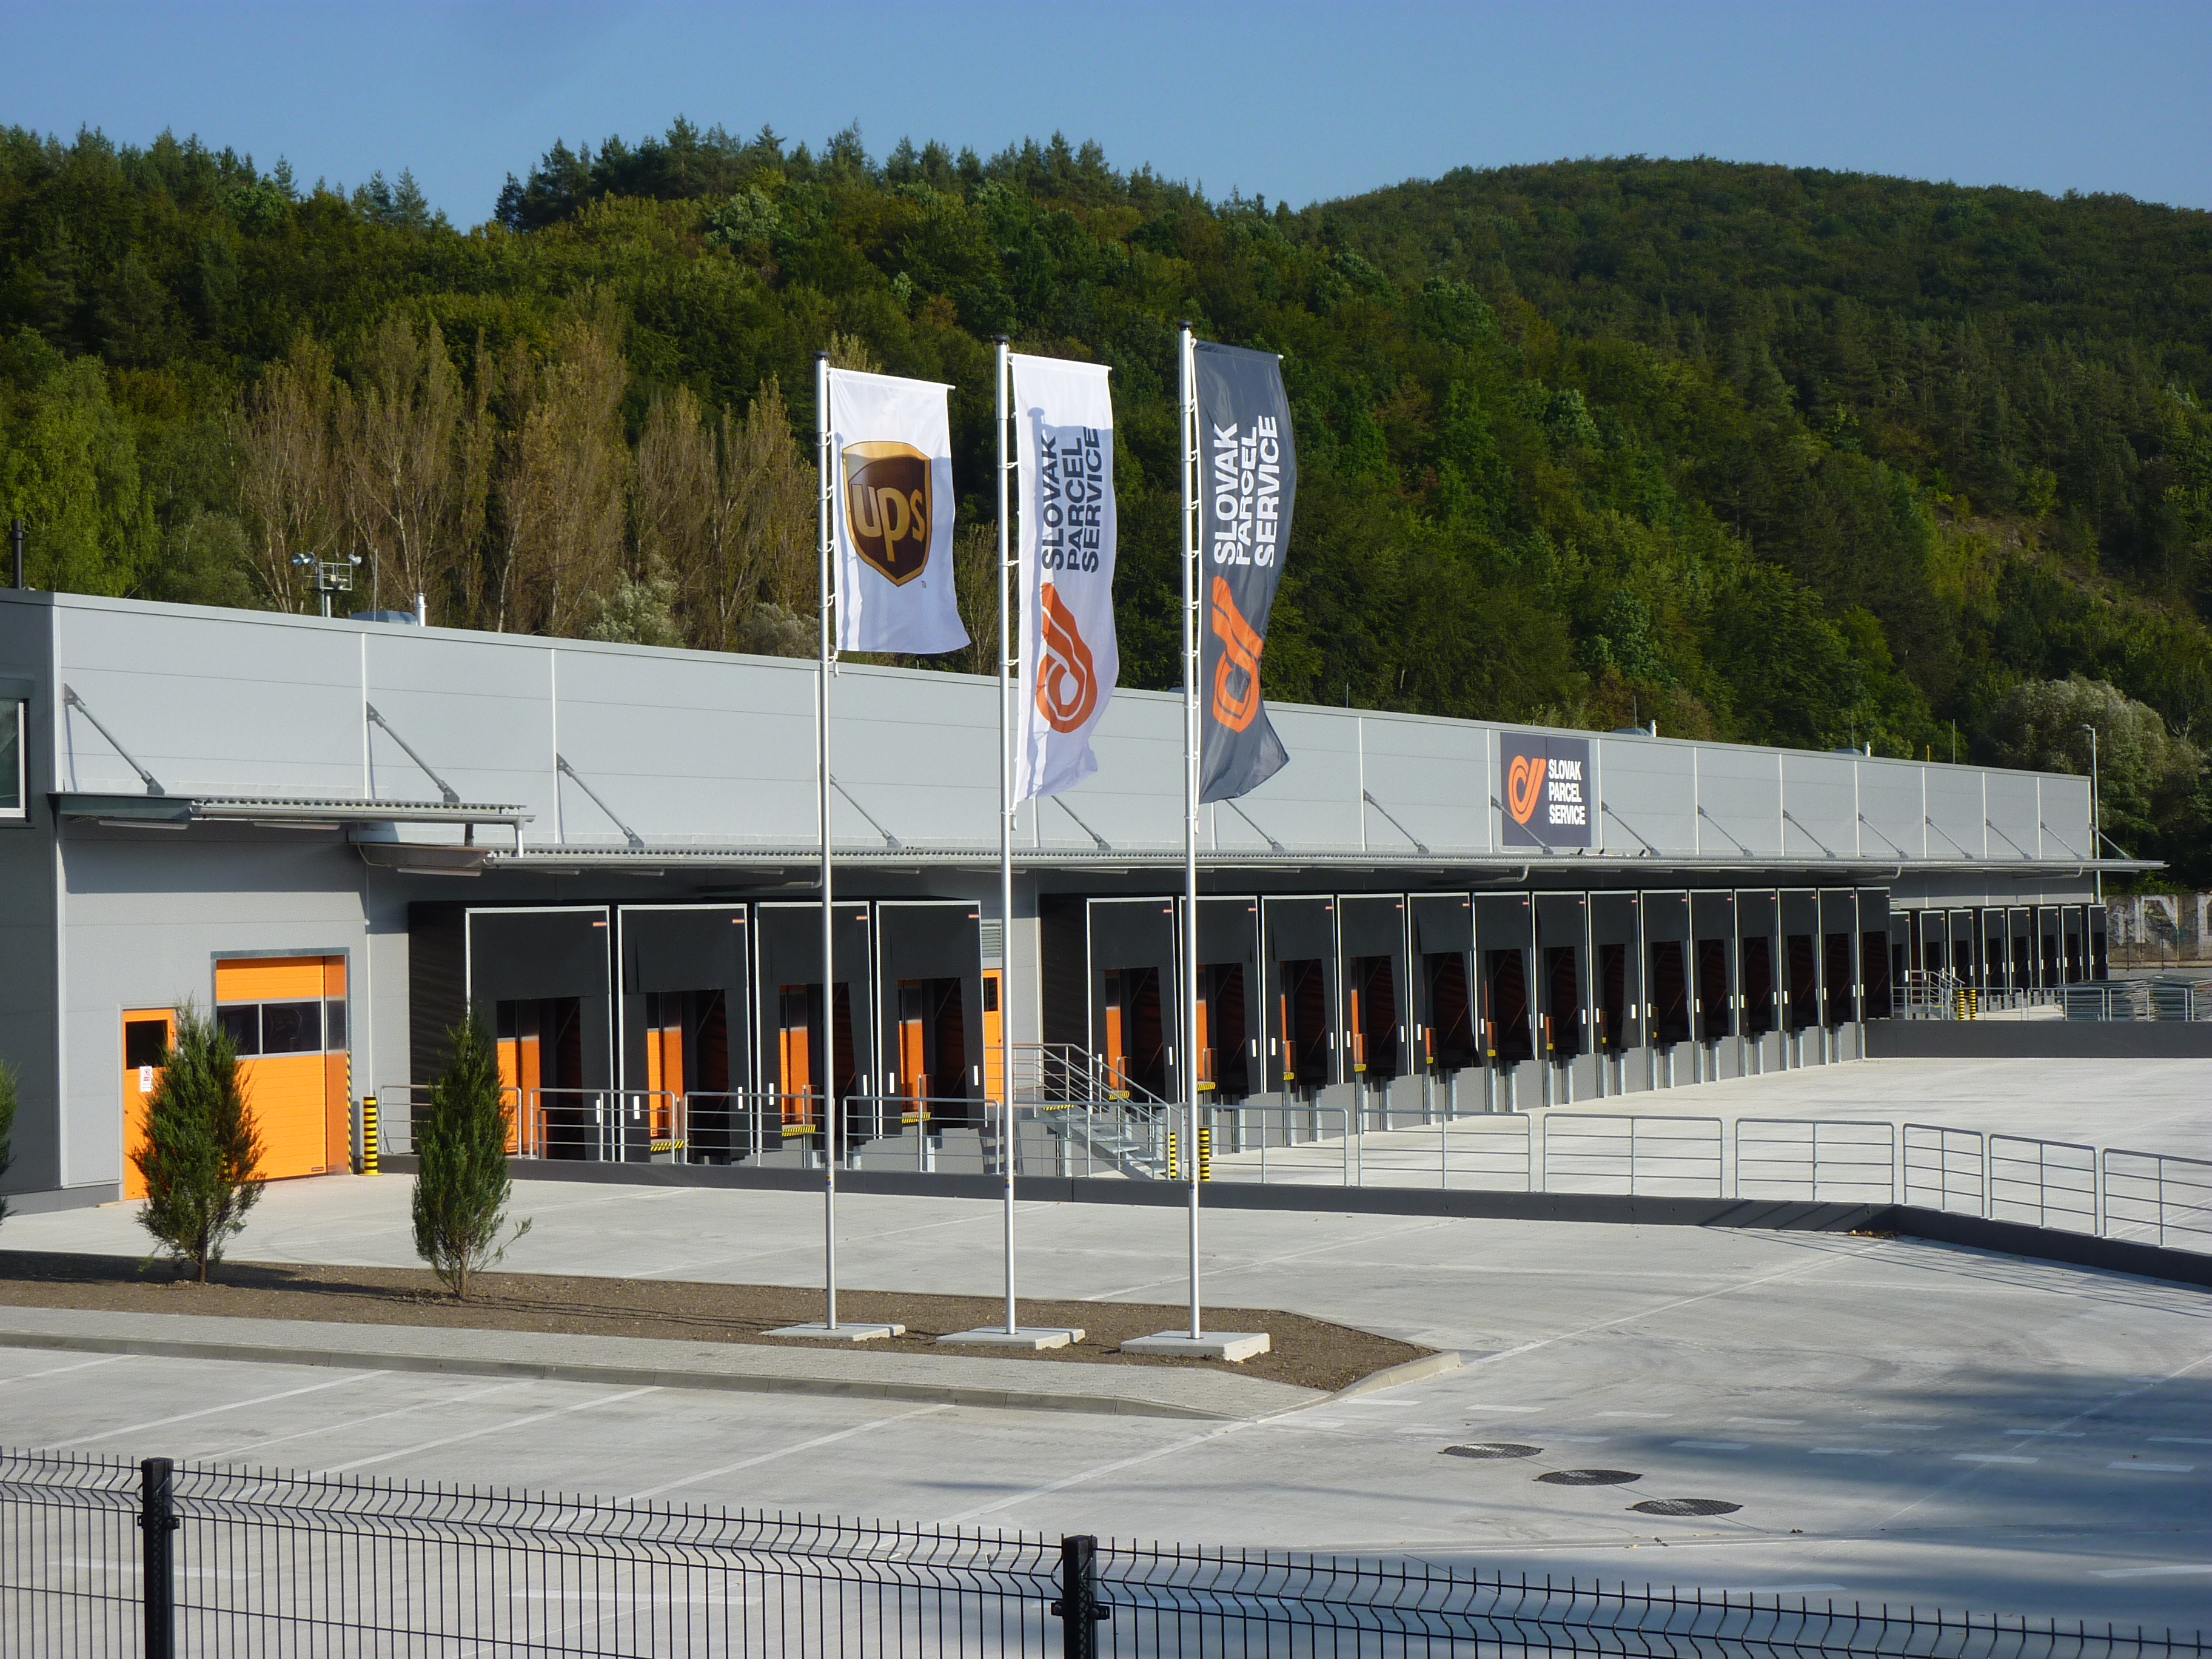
(201, 1147)
(7, 1126)
(461, 1184)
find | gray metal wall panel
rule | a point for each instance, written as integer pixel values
(29, 918)
(479, 711)
(2065, 817)
(1314, 800)
(1646, 795)
(1434, 778)
(1820, 793)
(1742, 802)
(219, 701)
(1954, 812)
(1889, 802)
(2013, 828)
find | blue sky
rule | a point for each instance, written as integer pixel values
(1297, 101)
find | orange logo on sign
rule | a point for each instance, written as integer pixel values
(1240, 654)
(1524, 785)
(1068, 681)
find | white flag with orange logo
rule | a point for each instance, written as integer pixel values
(1064, 433)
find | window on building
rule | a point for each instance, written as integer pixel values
(241, 1023)
(291, 1028)
(14, 783)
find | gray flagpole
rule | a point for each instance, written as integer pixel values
(1007, 1147)
(1190, 737)
(823, 1064)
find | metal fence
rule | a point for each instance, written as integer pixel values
(100, 1557)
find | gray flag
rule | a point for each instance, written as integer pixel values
(1248, 476)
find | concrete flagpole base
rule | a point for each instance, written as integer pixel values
(1033, 1338)
(855, 1333)
(1238, 1345)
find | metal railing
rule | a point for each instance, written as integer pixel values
(1609, 1151)
(1832, 1161)
(99, 1556)
(1945, 1169)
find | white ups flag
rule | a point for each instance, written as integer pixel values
(891, 444)
(1064, 427)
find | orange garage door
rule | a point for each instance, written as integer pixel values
(287, 1015)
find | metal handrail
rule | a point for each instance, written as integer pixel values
(1775, 1168)
(1642, 1132)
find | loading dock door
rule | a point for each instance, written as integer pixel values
(1563, 959)
(546, 976)
(2100, 966)
(1444, 1009)
(1667, 939)
(1133, 994)
(1376, 997)
(1229, 977)
(1877, 999)
(1300, 941)
(286, 1017)
(1997, 959)
(1617, 968)
(1713, 931)
(1505, 941)
(686, 1039)
(1840, 979)
(149, 1034)
(1801, 960)
(931, 994)
(2046, 925)
(808, 1051)
(2077, 944)
(1964, 939)
(1759, 970)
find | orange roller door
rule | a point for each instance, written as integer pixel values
(286, 1014)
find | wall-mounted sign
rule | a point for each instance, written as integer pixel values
(1548, 797)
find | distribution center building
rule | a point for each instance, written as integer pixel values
(337, 835)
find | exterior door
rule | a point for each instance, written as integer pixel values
(286, 1016)
(148, 1035)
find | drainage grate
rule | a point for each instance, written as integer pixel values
(1685, 1506)
(1493, 1449)
(1589, 1478)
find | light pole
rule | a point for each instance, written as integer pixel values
(2096, 814)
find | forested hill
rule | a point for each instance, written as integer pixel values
(1779, 455)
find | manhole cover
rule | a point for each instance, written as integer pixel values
(1493, 1449)
(1589, 1477)
(1685, 1506)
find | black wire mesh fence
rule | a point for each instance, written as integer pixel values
(100, 1556)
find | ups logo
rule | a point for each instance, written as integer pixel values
(887, 506)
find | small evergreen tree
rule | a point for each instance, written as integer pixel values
(461, 1183)
(7, 1126)
(201, 1147)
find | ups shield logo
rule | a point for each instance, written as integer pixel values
(887, 507)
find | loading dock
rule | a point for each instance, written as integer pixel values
(1617, 1027)
(1667, 956)
(1229, 976)
(1800, 971)
(1563, 997)
(1759, 960)
(936, 1000)
(809, 1055)
(1132, 995)
(1506, 945)
(1303, 995)
(1713, 949)
(543, 974)
(1377, 995)
(686, 1046)
(1445, 1039)
(1842, 1036)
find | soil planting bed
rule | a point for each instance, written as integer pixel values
(1309, 1352)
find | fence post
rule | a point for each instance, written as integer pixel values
(157, 1521)
(1077, 1609)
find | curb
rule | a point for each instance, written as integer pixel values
(1397, 1377)
(950, 1394)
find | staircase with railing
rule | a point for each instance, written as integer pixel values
(1097, 1111)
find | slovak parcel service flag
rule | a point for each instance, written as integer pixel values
(891, 444)
(1248, 478)
(1064, 421)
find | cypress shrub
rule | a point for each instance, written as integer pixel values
(7, 1127)
(461, 1183)
(202, 1148)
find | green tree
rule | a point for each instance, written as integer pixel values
(2144, 772)
(462, 1185)
(7, 1126)
(202, 1148)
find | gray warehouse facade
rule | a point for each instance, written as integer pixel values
(340, 835)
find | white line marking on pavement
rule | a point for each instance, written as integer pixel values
(490, 1428)
(2180, 1440)
(2162, 1468)
(1771, 1422)
(785, 1451)
(212, 1411)
(1714, 1445)
(58, 1370)
(2051, 1434)
(355, 1422)
(2153, 1572)
(1479, 1409)
(1992, 1457)
(1065, 1482)
(1653, 1414)
(1856, 1451)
